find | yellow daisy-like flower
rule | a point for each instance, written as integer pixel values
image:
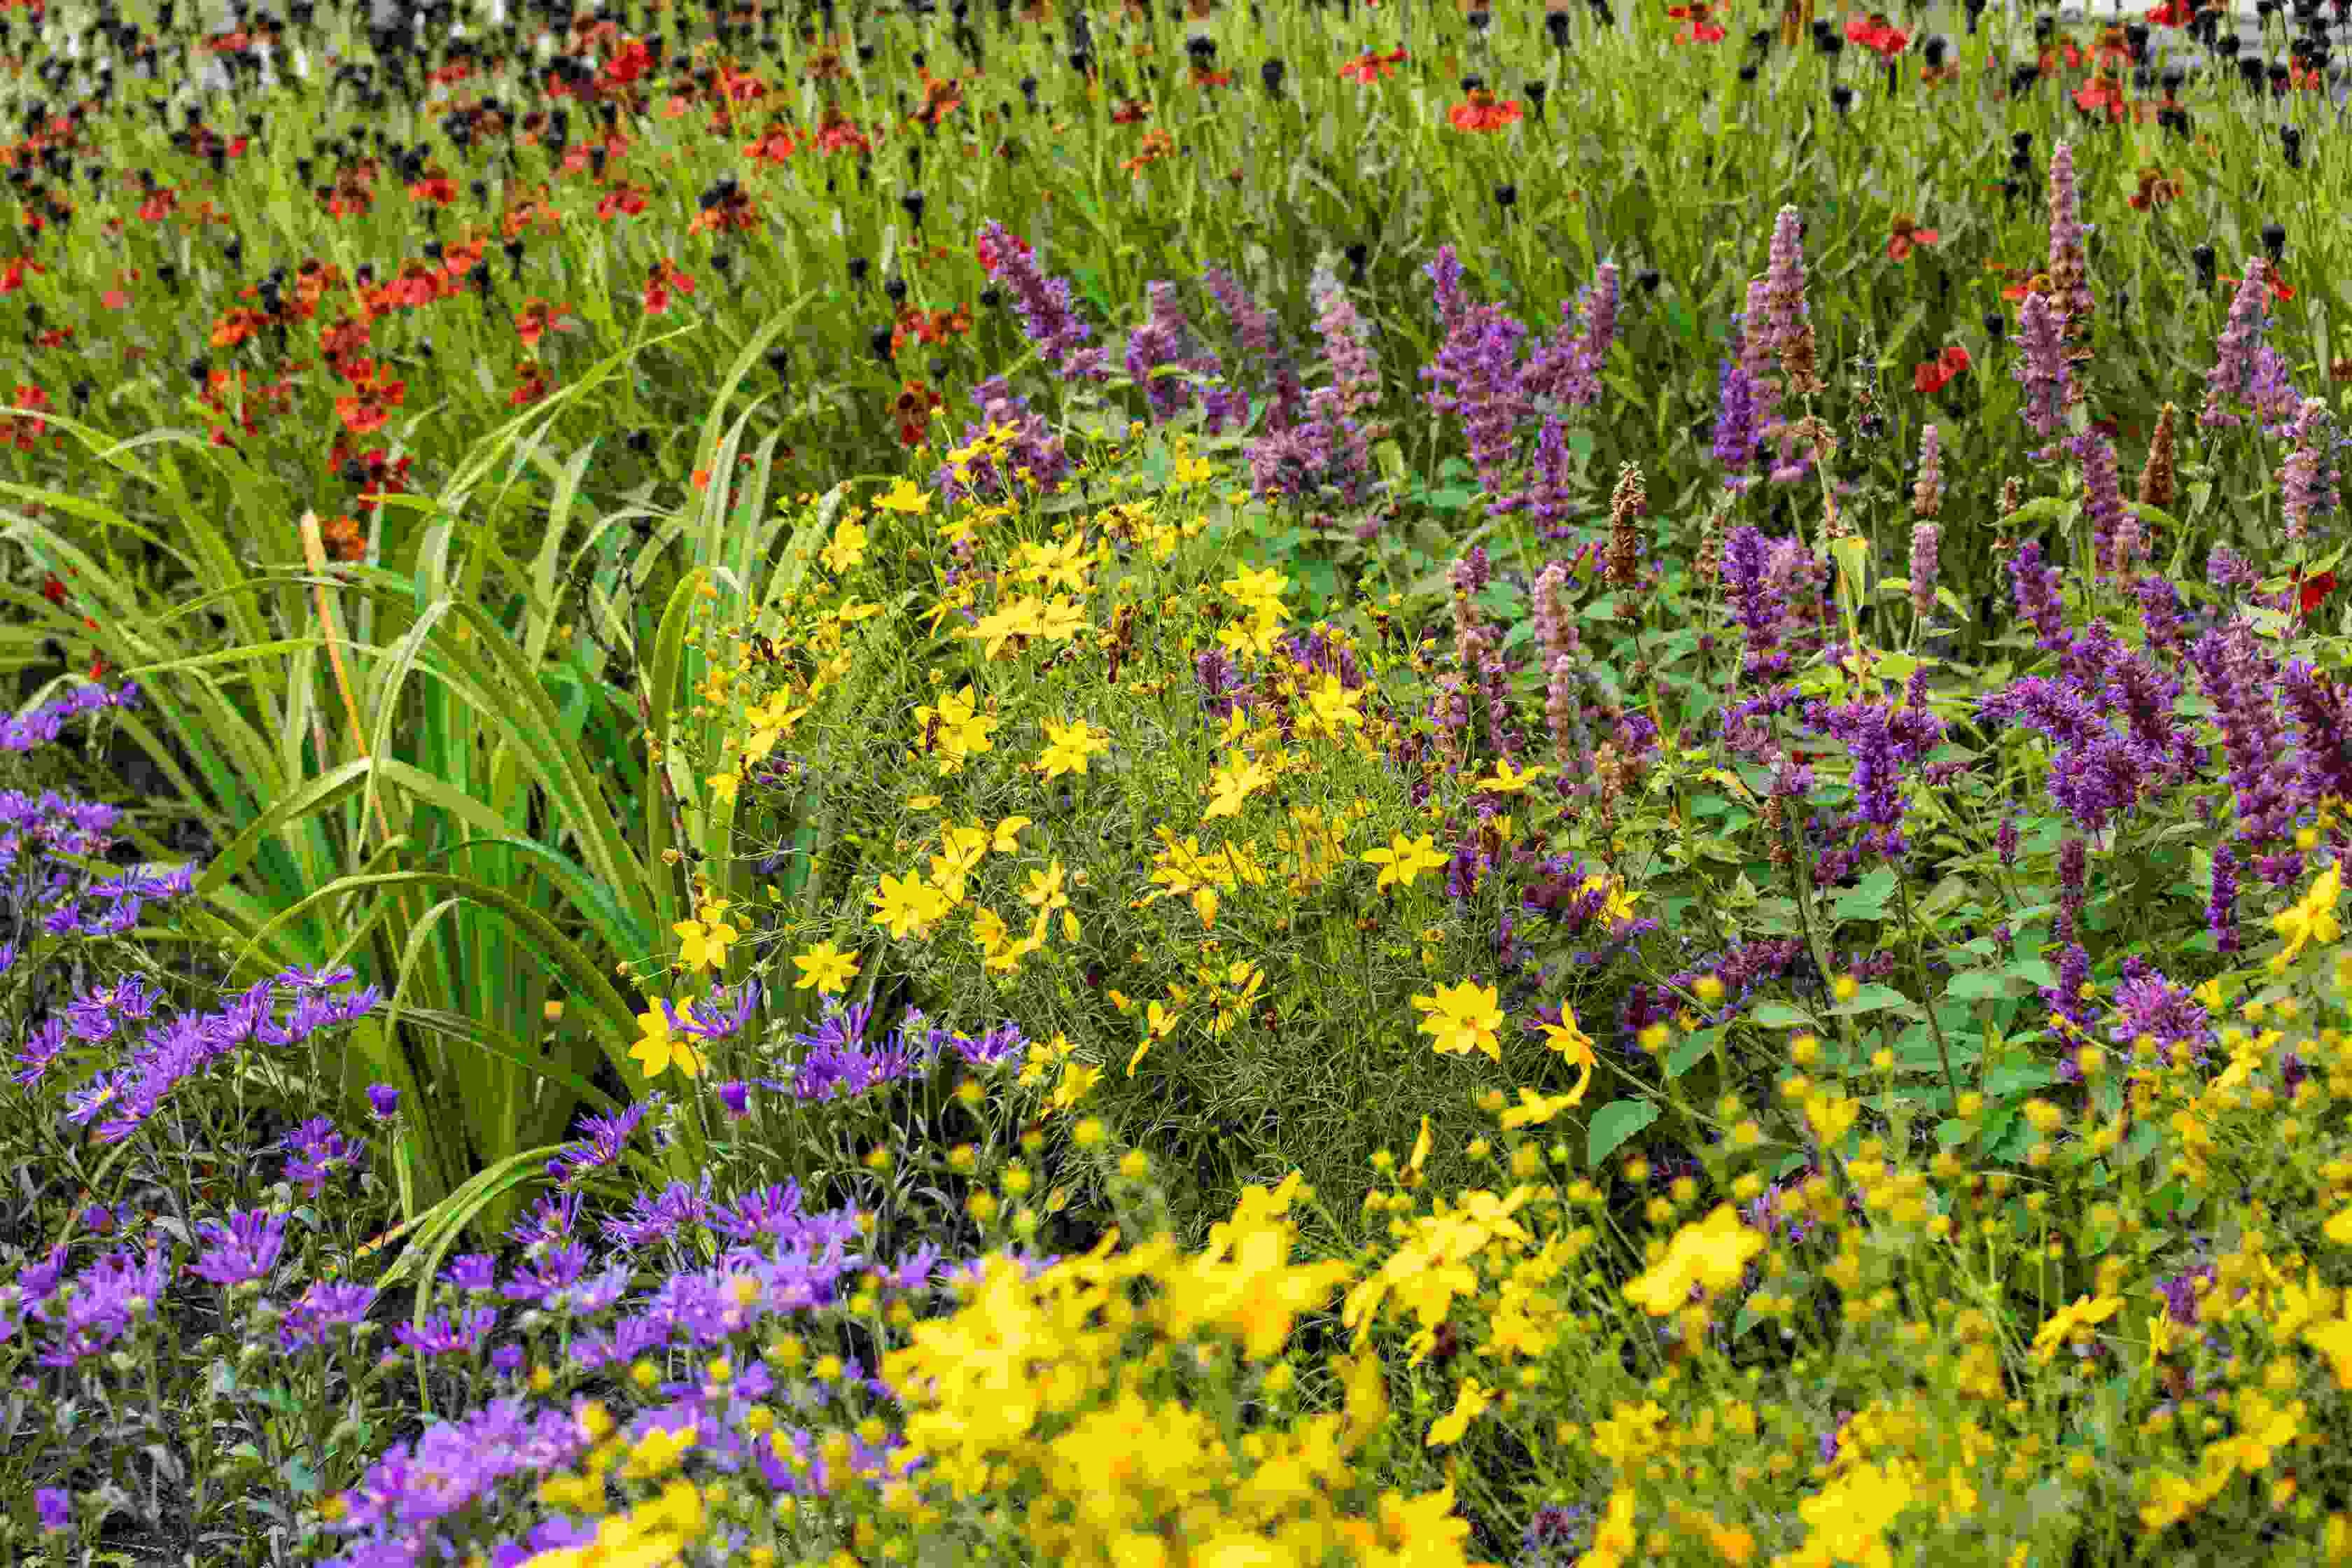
(1462, 1019)
(659, 1047)
(2312, 919)
(1711, 1254)
(907, 498)
(2083, 1313)
(825, 969)
(1448, 1428)
(1404, 860)
(705, 946)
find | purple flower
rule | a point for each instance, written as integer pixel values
(384, 1101)
(1256, 328)
(1046, 313)
(246, 1249)
(2147, 1004)
(2221, 902)
(1164, 339)
(2232, 377)
(1477, 376)
(319, 1151)
(606, 1137)
(441, 1335)
(2241, 681)
(1735, 424)
(321, 1308)
(2308, 478)
(2043, 369)
(54, 1507)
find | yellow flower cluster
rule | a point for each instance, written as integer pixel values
(1067, 1389)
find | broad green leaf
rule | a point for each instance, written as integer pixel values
(1612, 1124)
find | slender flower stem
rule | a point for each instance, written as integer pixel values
(1927, 1000)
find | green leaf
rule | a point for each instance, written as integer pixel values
(1612, 1124)
(1982, 985)
(1875, 998)
(1690, 1053)
(1866, 900)
(1781, 1016)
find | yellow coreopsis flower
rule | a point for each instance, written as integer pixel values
(1534, 1110)
(847, 548)
(1241, 777)
(1448, 1428)
(1508, 780)
(705, 946)
(2083, 1313)
(906, 905)
(1570, 1041)
(2312, 919)
(1462, 1019)
(1712, 1254)
(825, 969)
(1069, 747)
(1404, 859)
(906, 498)
(660, 1047)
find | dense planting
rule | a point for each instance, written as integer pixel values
(1290, 785)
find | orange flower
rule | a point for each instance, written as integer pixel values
(1878, 34)
(2278, 290)
(1482, 112)
(1369, 68)
(1699, 30)
(1906, 235)
(1930, 378)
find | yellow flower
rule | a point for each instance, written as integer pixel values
(1045, 890)
(1067, 747)
(847, 548)
(2338, 1229)
(825, 969)
(705, 946)
(2312, 919)
(956, 729)
(2083, 1314)
(658, 1048)
(904, 498)
(1711, 1254)
(1463, 1017)
(1241, 777)
(1007, 834)
(723, 787)
(1508, 780)
(2333, 1339)
(1570, 1041)
(1534, 1110)
(906, 905)
(1449, 1427)
(1420, 1146)
(1404, 859)
(1158, 1020)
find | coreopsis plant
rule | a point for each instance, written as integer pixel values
(1141, 798)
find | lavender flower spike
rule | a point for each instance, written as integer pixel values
(1045, 311)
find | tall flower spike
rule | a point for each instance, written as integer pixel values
(2232, 377)
(2308, 478)
(1926, 539)
(2156, 479)
(1785, 308)
(2044, 368)
(1046, 313)
(1928, 491)
(1630, 501)
(2069, 279)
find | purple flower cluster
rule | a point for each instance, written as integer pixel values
(1165, 339)
(1046, 313)
(2043, 369)
(1882, 739)
(44, 723)
(1774, 590)
(2232, 377)
(2146, 1002)
(1033, 447)
(2241, 681)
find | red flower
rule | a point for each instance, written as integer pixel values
(2102, 92)
(531, 385)
(1482, 112)
(2278, 290)
(1879, 36)
(439, 189)
(1906, 235)
(2313, 591)
(98, 666)
(53, 590)
(1930, 378)
(987, 253)
(2172, 14)
(1369, 68)
(665, 277)
(1699, 29)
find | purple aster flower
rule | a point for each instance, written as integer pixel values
(246, 1249)
(321, 1308)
